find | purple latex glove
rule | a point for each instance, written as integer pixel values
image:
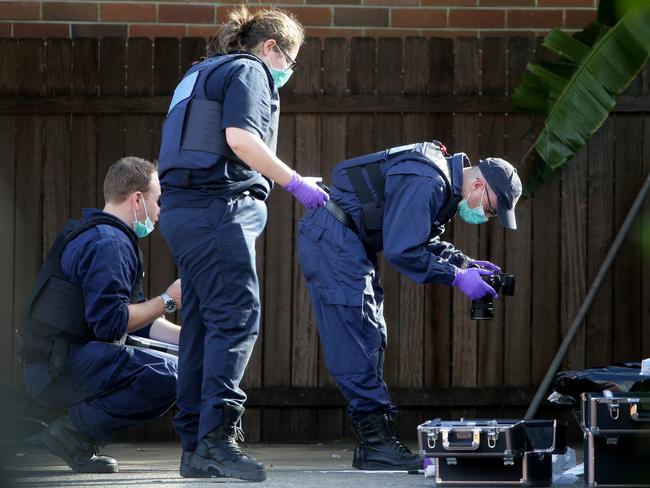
(469, 281)
(306, 191)
(476, 263)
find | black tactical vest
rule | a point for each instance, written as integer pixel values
(55, 314)
(367, 176)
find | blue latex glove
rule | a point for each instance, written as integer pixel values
(306, 191)
(469, 281)
(476, 263)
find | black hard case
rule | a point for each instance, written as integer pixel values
(616, 430)
(618, 413)
(531, 469)
(492, 452)
(485, 438)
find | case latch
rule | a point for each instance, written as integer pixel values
(431, 439)
(492, 437)
(614, 409)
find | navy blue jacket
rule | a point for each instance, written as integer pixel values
(103, 262)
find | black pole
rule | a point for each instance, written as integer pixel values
(591, 294)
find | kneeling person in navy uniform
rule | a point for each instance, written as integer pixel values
(87, 297)
(397, 201)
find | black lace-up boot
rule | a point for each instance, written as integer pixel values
(219, 454)
(186, 470)
(78, 450)
(379, 448)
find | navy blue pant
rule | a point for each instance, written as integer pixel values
(347, 299)
(214, 249)
(107, 387)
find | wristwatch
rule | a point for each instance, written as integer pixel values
(170, 303)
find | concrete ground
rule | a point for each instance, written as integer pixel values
(314, 465)
(142, 464)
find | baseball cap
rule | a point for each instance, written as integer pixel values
(504, 181)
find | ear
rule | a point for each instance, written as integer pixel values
(268, 45)
(136, 199)
(478, 184)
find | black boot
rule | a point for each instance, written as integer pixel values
(219, 454)
(78, 450)
(186, 470)
(379, 448)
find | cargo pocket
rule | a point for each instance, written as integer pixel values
(342, 296)
(309, 249)
(351, 342)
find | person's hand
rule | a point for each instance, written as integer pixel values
(174, 291)
(469, 281)
(306, 191)
(476, 263)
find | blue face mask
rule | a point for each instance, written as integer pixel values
(142, 229)
(280, 76)
(472, 215)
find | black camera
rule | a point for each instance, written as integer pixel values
(483, 308)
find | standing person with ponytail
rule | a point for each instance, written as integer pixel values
(217, 167)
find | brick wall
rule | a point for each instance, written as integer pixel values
(322, 18)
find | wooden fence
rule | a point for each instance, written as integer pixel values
(70, 108)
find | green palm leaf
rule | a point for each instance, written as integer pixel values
(576, 93)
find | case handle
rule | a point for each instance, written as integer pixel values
(462, 445)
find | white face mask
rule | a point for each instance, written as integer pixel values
(472, 215)
(142, 229)
(280, 76)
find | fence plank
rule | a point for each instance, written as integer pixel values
(56, 170)
(83, 164)
(545, 294)
(627, 267)
(8, 83)
(192, 50)
(599, 326)
(645, 231)
(29, 177)
(110, 129)
(645, 238)
(361, 81)
(519, 137)
(466, 70)
(573, 254)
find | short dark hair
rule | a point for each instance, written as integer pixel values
(126, 176)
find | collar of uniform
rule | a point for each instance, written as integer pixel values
(457, 174)
(87, 213)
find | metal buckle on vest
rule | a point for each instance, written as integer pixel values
(433, 152)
